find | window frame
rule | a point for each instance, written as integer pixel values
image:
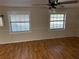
(1, 25)
(18, 13)
(64, 22)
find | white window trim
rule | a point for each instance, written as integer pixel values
(1, 24)
(18, 12)
(63, 24)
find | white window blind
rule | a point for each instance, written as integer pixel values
(57, 21)
(19, 22)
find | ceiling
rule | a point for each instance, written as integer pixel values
(29, 3)
(16, 3)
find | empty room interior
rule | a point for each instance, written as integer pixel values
(39, 29)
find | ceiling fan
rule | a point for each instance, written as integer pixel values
(55, 3)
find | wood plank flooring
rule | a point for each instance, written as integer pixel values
(63, 48)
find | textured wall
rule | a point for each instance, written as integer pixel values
(78, 27)
(39, 25)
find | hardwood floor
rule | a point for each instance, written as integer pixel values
(63, 48)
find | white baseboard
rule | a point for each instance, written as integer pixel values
(9, 42)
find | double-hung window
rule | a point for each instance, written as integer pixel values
(19, 22)
(57, 21)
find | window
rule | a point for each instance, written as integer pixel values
(19, 22)
(57, 21)
(1, 22)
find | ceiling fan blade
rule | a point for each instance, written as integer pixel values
(40, 4)
(68, 2)
(49, 1)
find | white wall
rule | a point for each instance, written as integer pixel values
(78, 32)
(77, 26)
(39, 25)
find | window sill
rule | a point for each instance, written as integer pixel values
(20, 32)
(59, 29)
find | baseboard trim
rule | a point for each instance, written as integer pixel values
(11, 42)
